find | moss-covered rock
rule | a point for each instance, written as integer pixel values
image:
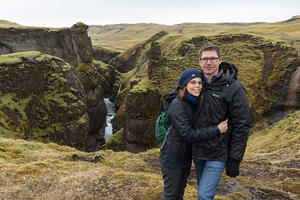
(42, 99)
(139, 126)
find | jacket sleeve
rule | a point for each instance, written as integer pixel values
(181, 120)
(240, 120)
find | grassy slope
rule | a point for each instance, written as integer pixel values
(5, 23)
(32, 170)
(123, 36)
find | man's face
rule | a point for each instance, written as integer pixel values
(209, 63)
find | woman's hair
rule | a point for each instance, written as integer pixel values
(182, 92)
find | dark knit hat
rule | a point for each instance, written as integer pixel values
(188, 75)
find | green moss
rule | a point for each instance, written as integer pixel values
(74, 90)
(53, 65)
(54, 97)
(16, 58)
(115, 141)
(84, 69)
(102, 65)
(144, 86)
(2, 149)
(69, 95)
(62, 80)
(83, 119)
(281, 137)
(66, 67)
(58, 127)
(13, 121)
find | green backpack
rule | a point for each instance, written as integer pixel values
(161, 126)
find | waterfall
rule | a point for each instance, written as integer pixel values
(120, 86)
(111, 112)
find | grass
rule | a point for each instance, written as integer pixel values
(33, 170)
(123, 36)
(48, 171)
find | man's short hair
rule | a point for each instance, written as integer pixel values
(210, 47)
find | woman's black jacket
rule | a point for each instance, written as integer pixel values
(176, 150)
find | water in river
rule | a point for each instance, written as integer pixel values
(111, 112)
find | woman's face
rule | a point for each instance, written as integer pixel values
(194, 86)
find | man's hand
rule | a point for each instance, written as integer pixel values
(223, 126)
(232, 167)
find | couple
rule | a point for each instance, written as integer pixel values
(209, 122)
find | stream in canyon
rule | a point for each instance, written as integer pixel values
(111, 112)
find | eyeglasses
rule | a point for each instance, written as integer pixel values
(193, 82)
(212, 59)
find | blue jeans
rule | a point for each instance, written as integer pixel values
(208, 177)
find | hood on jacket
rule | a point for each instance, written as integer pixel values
(228, 71)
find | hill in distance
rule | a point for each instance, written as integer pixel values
(5, 23)
(120, 37)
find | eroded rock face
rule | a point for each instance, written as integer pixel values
(71, 44)
(155, 59)
(74, 46)
(42, 98)
(139, 126)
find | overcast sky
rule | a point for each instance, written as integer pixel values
(65, 13)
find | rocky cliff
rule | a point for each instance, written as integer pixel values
(71, 44)
(74, 46)
(42, 98)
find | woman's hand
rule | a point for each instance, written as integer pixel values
(223, 126)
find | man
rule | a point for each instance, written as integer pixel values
(222, 97)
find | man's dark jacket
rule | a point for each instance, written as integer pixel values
(224, 98)
(176, 150)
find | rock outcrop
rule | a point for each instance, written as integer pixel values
(71, 44)
(42, 98)
(128, 60)
(74, 46)
(154, 59)
(139, 127)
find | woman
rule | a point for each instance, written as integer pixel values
(176, 151)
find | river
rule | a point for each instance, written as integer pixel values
(111, 112)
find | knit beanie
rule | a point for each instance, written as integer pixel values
(188, 75)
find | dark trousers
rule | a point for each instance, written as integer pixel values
(174, 182)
